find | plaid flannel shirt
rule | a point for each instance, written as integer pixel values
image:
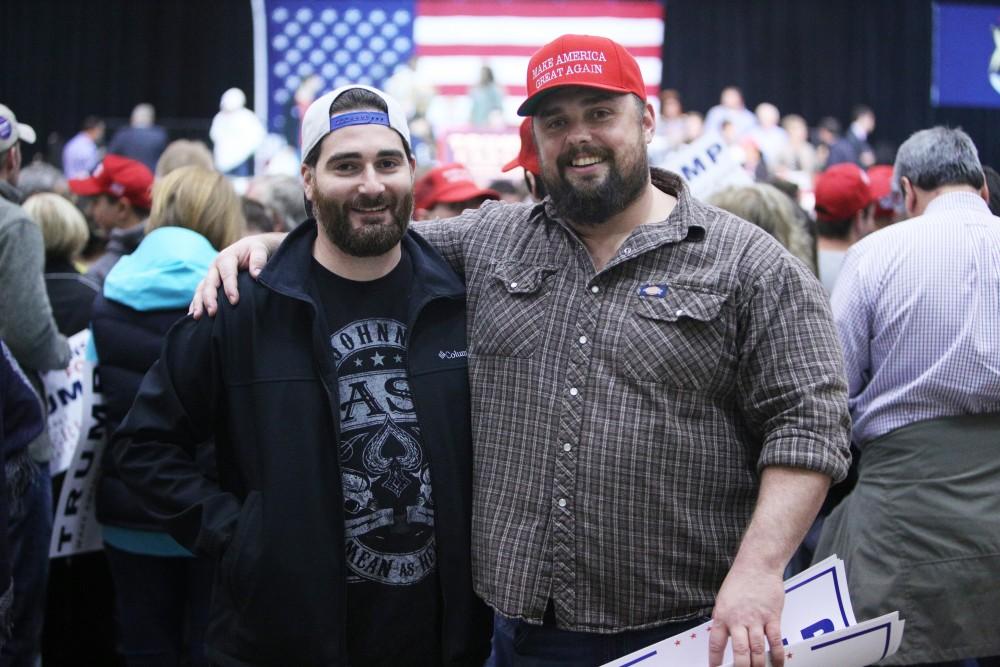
(621, 417)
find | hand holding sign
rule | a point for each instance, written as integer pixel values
(818, 628)
(861, 644)
(748, 611)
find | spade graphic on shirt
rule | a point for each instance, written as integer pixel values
(393, 453)
(386, 477)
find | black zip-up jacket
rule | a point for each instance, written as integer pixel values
(259, 378)
(128, 343)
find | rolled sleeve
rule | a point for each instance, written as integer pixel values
(791, 378)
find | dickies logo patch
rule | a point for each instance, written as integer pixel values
(652, 291)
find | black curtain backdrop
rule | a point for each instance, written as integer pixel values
(65, 59)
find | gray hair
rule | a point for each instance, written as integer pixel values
(41, 177)
(143, 115)
(183, 153)
(283, 195)
(940, 156)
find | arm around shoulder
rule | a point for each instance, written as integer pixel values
(248, 254)
(451, 236)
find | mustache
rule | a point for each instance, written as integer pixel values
(368, 201)
(567, 157)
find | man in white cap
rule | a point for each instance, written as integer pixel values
(657, 388)
(29, 330)
(336, 400)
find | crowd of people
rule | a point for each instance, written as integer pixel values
(765, 143)
(549, 422)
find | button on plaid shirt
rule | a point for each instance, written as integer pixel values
(621, 417)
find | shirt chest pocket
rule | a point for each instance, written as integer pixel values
(677, 340)
(511, 310)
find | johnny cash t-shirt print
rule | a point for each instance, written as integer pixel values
(392, 590)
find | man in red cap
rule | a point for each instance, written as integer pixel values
(884, 200)
(843, 215)
(122, 191)
(527, 159)
(446, 191)
(658, 402)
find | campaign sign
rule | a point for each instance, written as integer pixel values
(966, 56)
(817, 625)
(863, 644)
(75, 528)
(64, 397)
(708, 165)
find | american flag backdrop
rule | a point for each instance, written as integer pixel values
(356, 41)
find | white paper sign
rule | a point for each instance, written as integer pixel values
(64, 397)
(862, 644)
(707, 165)
(75, 528)
(817, 621)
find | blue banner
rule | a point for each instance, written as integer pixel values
(966, 56)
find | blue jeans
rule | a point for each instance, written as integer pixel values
(29, 530)
(162, 607)
(519, 644)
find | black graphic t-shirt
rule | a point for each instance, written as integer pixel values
(392, 592)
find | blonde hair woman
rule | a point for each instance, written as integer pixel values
(773, 211)
(64, 230)
(63, 226)
(161, 589)
(200, 200)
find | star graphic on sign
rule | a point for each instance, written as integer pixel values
(357, 362)
(377, 359)
(677, 643)
(694, 636)
(398, 359)
(788, 655)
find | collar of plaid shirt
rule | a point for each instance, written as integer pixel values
(621, 417)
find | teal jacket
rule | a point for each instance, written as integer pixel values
(144, 295)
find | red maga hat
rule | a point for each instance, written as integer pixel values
(527, 157)
(841, 191)
(118, 176)
(581, 60)
(880, 178)
(448, 183)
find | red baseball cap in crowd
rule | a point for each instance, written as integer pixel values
(581, 60)
(880, 178)
(118, 176)
(448, 183)
(527, 157)
(841, 191)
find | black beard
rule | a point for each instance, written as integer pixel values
(595, 206)
(369, 241)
